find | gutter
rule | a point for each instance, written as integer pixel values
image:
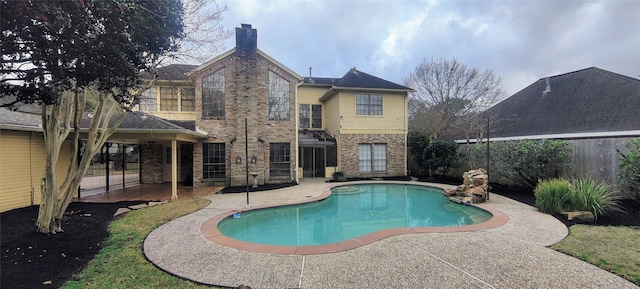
(20, 127)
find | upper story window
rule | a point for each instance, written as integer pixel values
(149, 99)
(213, 95)
(171, 99)
(278, 97)
(368, 104)
(187, 99)
(316, 116)
(168, 99)
(310, 116)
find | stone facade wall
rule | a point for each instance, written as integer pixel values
(151, 164)
(396, 154)
(247, 94)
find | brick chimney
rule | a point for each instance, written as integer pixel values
(246, 42)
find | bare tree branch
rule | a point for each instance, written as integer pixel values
(447, 95)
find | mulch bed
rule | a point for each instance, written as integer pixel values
(630, 215)
(30, 259)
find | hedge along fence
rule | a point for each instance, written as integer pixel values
(524, 162)
(598, 158)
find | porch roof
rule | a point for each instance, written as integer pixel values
(315, 138)
(140, 126)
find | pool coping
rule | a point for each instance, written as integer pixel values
(209, 229)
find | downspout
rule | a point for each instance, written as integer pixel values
(31, 168)
(296, 128)
(406, 134)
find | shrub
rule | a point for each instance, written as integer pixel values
(438, 156)
(338, 176)
(552, 195)
(629, 172)
(583, 194)
(596, 197)
(524, 162)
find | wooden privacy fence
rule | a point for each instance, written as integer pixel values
(597, 157)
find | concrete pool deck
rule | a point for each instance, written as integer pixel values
(513, 255)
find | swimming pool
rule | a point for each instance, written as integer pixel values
(350, 212)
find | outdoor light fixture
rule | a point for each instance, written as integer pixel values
(238, 160)
(254, 159)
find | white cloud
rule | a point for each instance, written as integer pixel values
(521, 41)
(396, 45)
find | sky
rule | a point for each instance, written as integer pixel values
(520, 41)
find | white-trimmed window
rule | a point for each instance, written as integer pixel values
(149, 99)
(310, 116)
(213, 95)
(213, 161)
(278, 97)
(168, 98)
(187, 99)
(171, 99)
(369, 104)
(279, 159)
(372, 157)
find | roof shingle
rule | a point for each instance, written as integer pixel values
(584, 101)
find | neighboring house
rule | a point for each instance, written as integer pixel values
(594, 109)
(297, 127)
(22, 159)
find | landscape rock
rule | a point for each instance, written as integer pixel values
(473, 189)
(580, 216)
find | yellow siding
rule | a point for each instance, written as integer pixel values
(174, 115)
(310, 95)
(392, 121)
(22, 158)
(331, 115)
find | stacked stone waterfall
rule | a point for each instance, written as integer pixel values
(473, 189)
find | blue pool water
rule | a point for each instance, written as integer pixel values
(351, 211)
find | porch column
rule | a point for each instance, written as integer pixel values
(174, 169)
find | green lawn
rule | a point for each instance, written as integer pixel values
(616, 249)
(121, 264)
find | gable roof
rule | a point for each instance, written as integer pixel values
(586, 102)
(231, 52)
(355, 80)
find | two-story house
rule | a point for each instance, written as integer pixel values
(265, 120)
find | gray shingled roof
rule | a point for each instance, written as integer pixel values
(172, 72)
(591, 100)
(19, 120)
(325, 81)
(355, 79)
(141, 121)
(134, 122)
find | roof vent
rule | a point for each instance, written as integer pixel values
(548, 88)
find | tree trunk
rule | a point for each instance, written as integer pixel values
(58, 121)
(54, 135)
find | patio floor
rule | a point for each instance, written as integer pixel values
(148, 192)
(514, 255)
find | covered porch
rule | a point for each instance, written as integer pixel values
(165, 155)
